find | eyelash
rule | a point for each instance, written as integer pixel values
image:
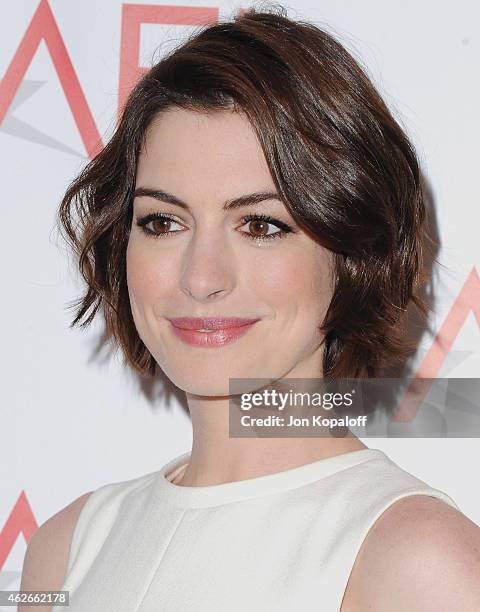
(283, 227)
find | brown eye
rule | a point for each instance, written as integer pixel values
(258, 228)
(161, 225)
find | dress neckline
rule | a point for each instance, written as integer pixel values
(239, 490)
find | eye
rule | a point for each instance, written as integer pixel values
(260, 223)
(161, 224)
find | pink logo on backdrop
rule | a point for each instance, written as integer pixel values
(44, 27)
(133, 15)
(21, 520)
(466, 302)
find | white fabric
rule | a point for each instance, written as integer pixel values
(285, 541)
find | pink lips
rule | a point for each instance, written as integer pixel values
(224, 329)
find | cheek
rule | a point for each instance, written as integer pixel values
(298, 281)
(146, 272)
(138, 275)
(148, 277)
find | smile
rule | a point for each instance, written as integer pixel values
(212, 338)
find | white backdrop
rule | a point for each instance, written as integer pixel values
(72, 417)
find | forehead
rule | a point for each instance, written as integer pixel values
(183, 146)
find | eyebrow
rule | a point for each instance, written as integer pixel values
(245, 200)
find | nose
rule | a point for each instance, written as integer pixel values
(208, 268)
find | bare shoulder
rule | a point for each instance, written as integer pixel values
(47, 553)
(420, 555)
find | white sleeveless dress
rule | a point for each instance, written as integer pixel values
(285, 541)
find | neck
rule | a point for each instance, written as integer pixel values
(217, 458)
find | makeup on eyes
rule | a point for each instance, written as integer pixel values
(283, 228)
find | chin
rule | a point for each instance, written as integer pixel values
(205, 388)
(210, 381)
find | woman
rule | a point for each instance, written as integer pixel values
(256, 174)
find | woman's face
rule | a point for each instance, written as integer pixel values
(210, 266)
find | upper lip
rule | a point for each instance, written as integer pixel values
(195, 323)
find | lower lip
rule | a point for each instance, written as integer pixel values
(213, 339)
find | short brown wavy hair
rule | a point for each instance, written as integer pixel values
(344, 167)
